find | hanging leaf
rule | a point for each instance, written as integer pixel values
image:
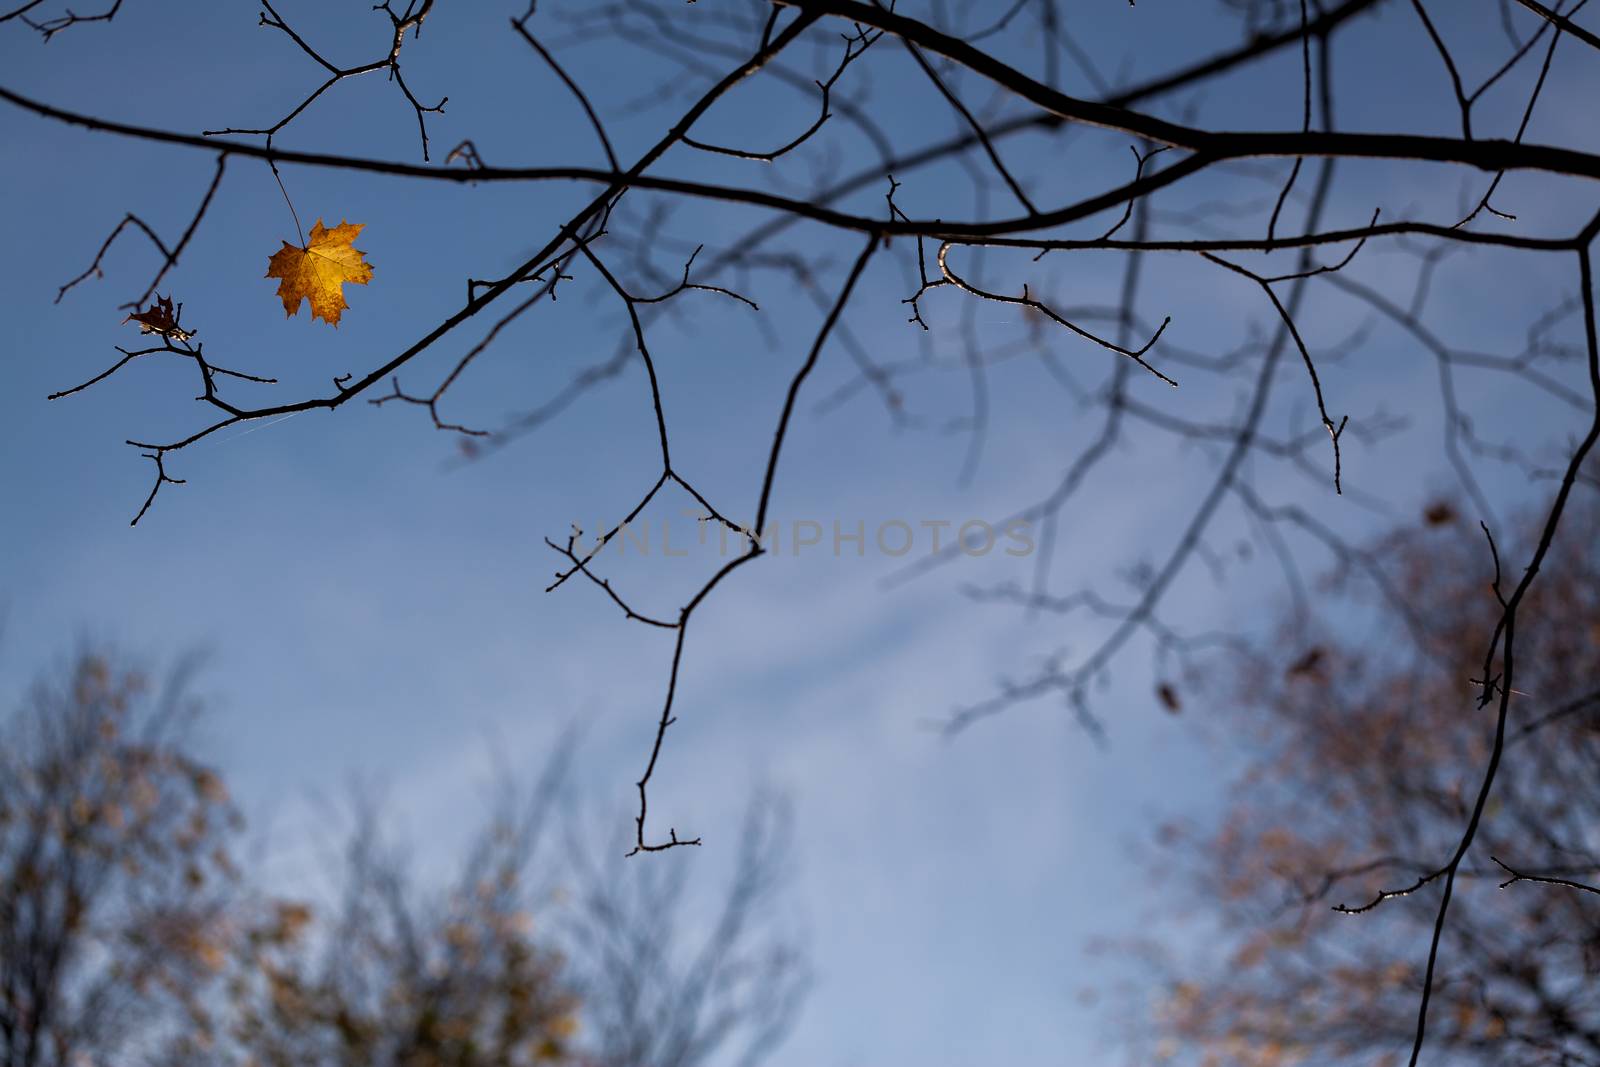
(319, 271)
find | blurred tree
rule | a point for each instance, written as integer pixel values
(127, 934)
(399, 975)
(653, 995)
(396, 975)
(113, 860)
(1364, 734)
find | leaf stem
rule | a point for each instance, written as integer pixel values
(295, 214)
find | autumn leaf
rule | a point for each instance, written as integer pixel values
(319, 271)
(160, 318)
(1169, 698)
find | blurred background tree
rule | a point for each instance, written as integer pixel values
(653, 994)
(128, 934)
(394, 974)
(114, 863)
(1362, 733)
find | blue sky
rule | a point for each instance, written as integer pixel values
(375, 608)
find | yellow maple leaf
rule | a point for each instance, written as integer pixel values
(319, 271)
